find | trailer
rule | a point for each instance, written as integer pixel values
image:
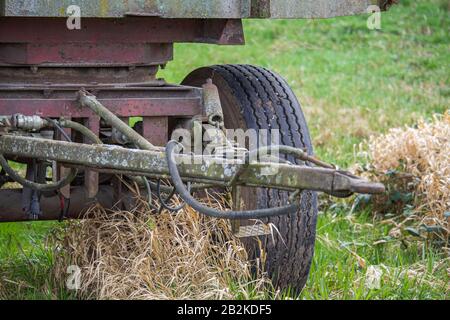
(83, 110)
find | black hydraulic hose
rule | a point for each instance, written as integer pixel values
(4, 178)
(164, 203)
(34, 185)
(160, 188)
(186, 196)
(149, 194)
(41, 187)
(55, 124)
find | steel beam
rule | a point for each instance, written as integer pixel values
(198, 168)
(129, 30)
(192, 8)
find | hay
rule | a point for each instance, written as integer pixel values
(138, 255)
(414, 163)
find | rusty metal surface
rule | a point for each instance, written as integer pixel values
(128, 30)
(89, 101)
(156, 129)
(229, 9)
(11, 206)
(120, 8)
(85, 55)
(152, 101)
(124, 101)
(131, 107)
(316, 8)
(194, 168)
(29, 77)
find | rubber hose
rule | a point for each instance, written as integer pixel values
(232, 215)
(34, 185)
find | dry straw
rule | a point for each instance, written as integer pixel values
(420, 159)
(138, 255)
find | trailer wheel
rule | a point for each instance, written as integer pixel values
(256, 98)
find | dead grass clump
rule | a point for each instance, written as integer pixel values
(137, 255)
(414, 163)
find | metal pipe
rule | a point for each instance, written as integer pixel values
(212, 105)
(298, 153)
(65, 123)
(208, 169)
(11, 206)
(90, 101)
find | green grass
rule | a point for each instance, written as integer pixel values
(352, 83)
(347, 245)
(26, 262)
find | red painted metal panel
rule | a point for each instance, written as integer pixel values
(127, 30)
(131, 107)
(108, 54)
(156, 130)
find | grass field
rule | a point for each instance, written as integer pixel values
(352, 83)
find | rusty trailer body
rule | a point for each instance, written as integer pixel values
(192, 9)
(85, 85)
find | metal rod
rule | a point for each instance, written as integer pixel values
(90, 101)
(208, 169)
(65, 123)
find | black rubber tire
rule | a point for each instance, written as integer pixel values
(253, 97)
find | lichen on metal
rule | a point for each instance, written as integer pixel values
(226, 9)
(209, 170)
(317, 8)
(108, 9)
